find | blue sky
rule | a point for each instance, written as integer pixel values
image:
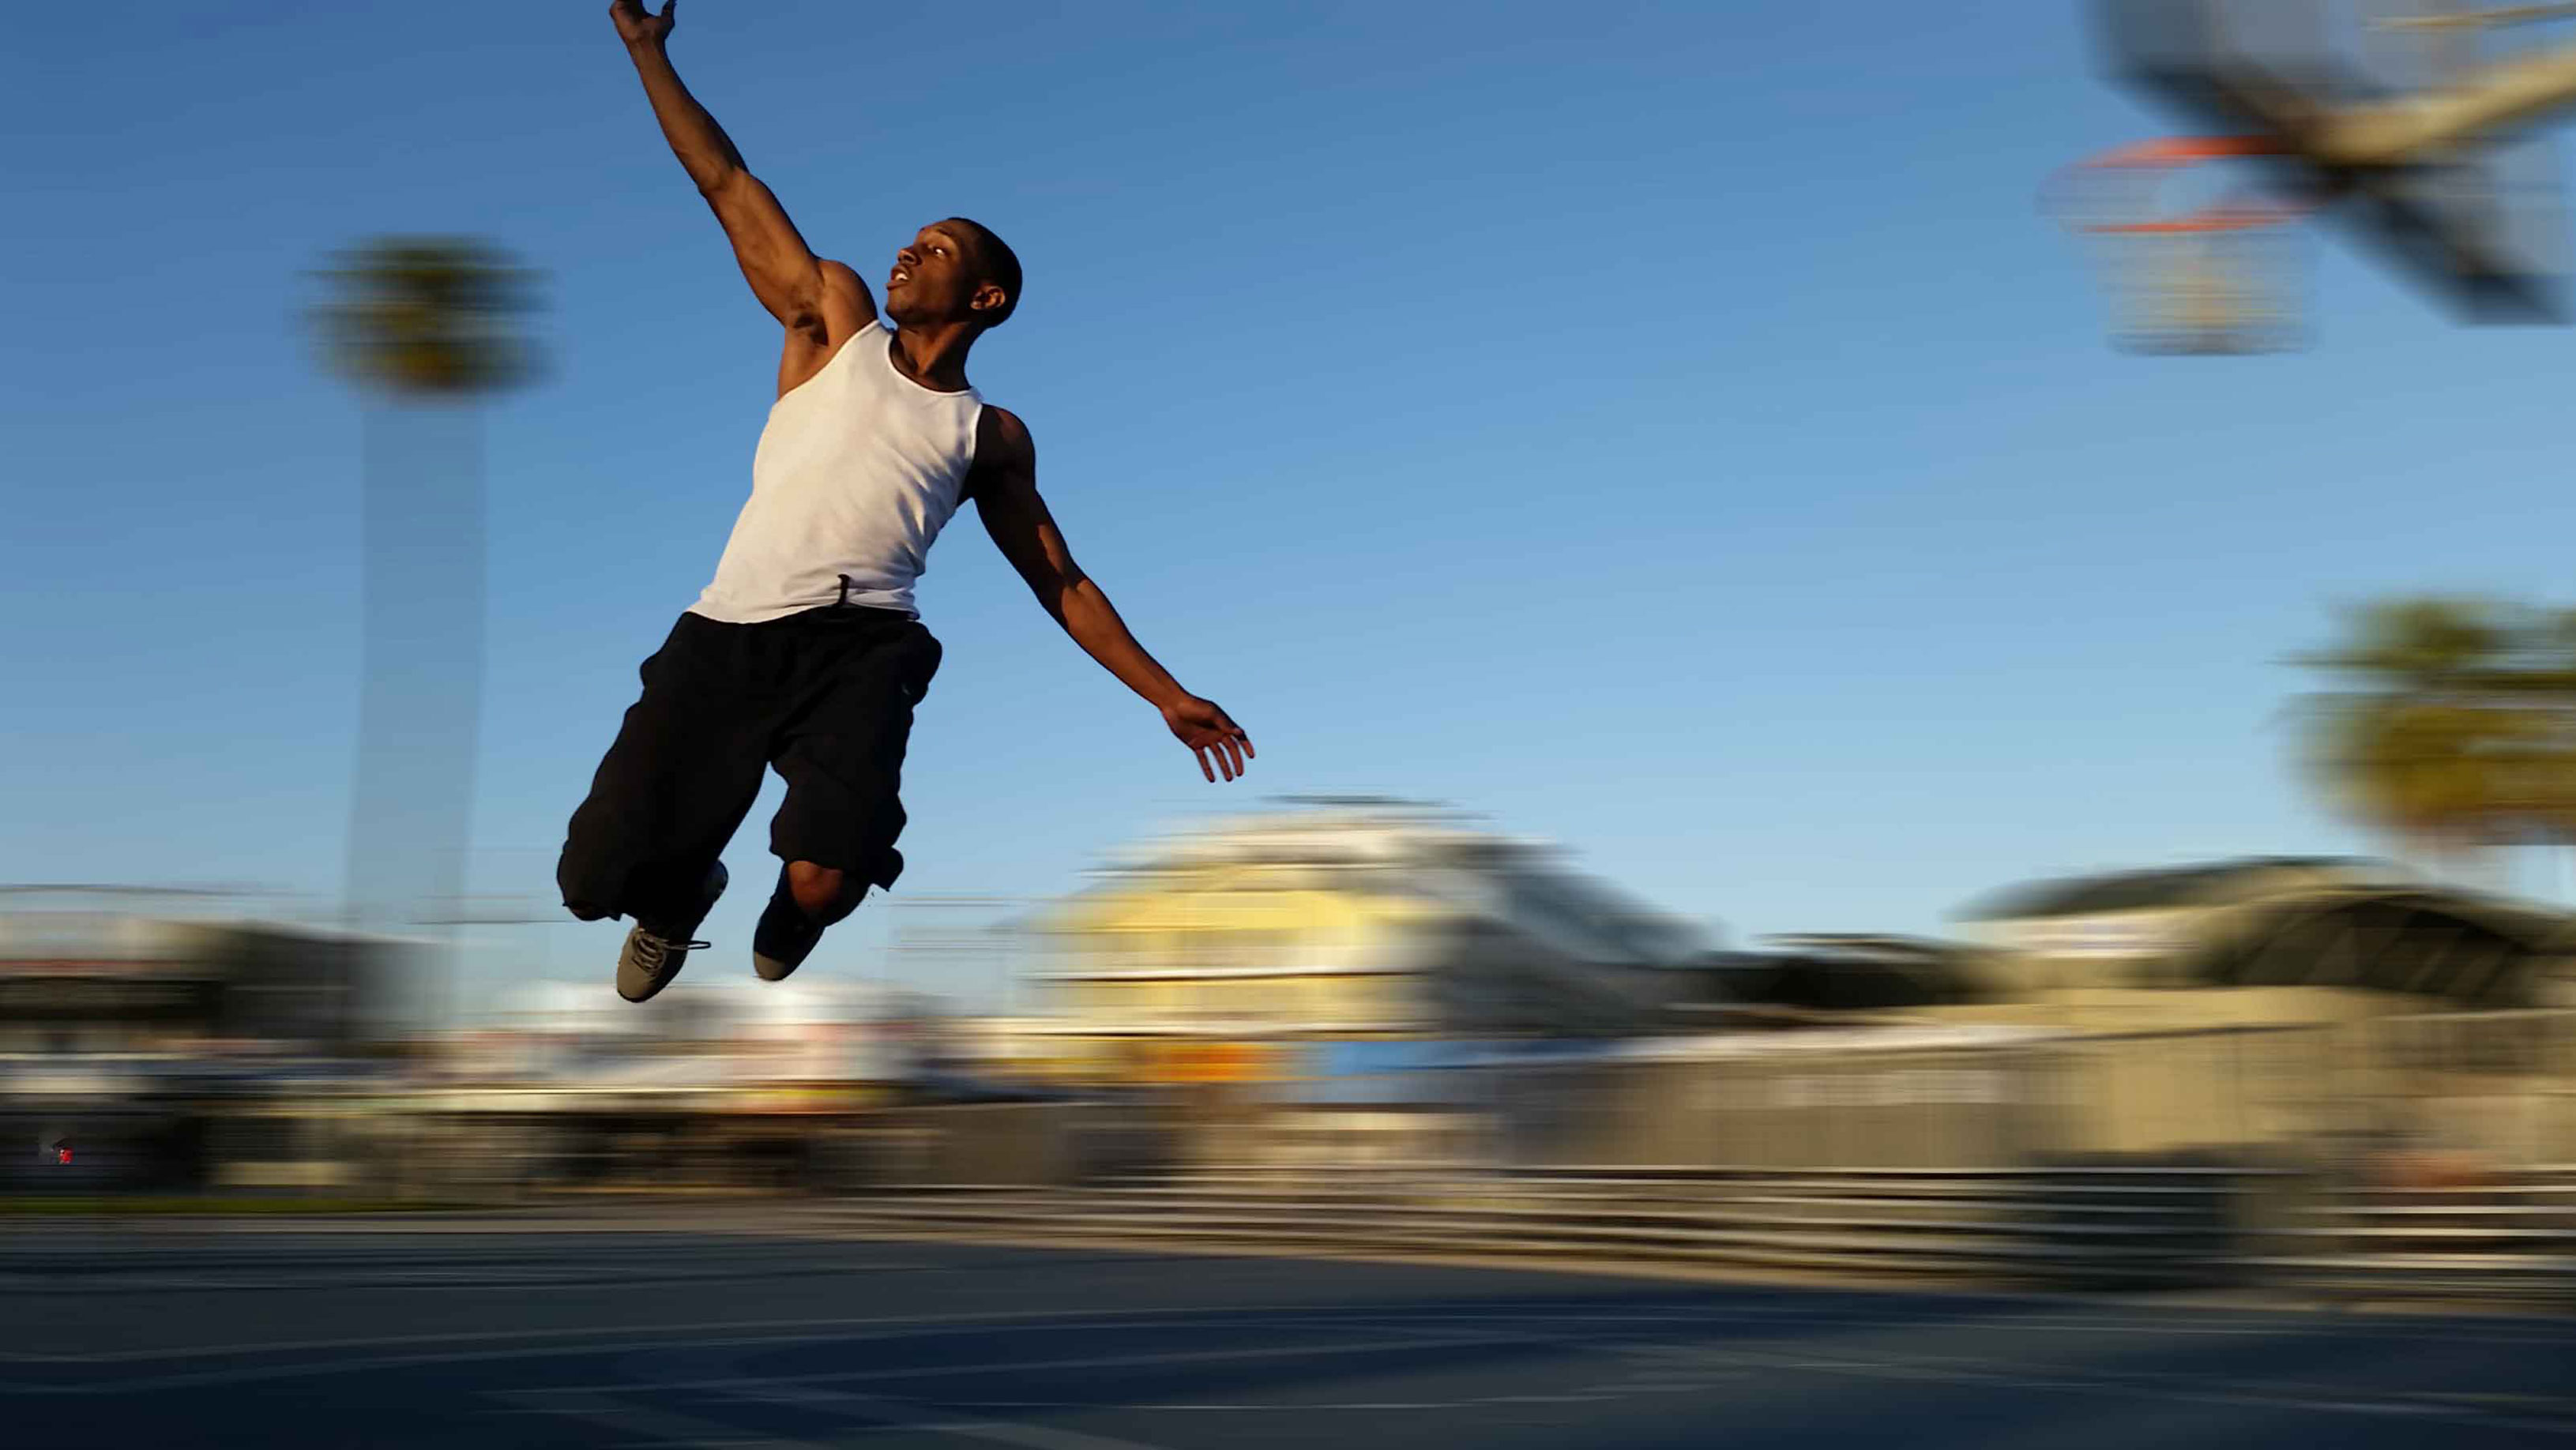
(1669, 430)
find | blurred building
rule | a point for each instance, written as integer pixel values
(1353, 920)
(136, 1022)
(1802, 979)
(88, 972)
(2273, 939)
(701, 1037)
(723, 1082)
(2290, 1006)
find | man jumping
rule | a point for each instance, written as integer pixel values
(805, 653)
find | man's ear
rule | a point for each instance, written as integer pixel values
(988, 298)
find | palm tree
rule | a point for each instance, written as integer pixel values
(427, 327)
(2456, 730)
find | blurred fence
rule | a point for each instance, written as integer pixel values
(2383, 1158)
(2366, 1158)
(2501, 1085)
(2103, 1226)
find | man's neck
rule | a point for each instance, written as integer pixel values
(934, 354)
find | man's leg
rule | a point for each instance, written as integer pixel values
(807, 899)
(669, 794)
(823, 893)
(842, 758)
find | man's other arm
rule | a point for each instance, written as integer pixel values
(1004, 487)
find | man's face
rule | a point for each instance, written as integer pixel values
(934, 280)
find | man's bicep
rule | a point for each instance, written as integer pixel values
(783, 271)
(1004, 485)
(1020, 526)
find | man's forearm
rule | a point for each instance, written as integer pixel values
(1087, 615)
(702, 146)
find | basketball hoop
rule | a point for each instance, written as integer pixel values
(2224, 277)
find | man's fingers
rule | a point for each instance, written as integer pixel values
(1215, 736)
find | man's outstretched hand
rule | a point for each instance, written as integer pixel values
(636, 25)
(1211, 734)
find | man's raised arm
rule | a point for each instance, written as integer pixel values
(798, 288)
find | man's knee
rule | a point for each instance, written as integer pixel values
(824, 893)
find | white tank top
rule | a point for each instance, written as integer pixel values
(857, 471)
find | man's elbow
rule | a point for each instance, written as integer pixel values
(1060, 598)
(1076, 586)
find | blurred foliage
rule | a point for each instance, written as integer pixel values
(2455, 726)
(428, 318)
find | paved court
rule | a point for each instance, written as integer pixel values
(766, 1328)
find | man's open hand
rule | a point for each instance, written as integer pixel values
(1211, 734)
(636, 25)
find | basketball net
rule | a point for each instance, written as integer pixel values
(2226, 277)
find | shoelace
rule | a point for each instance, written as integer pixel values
(652, 951)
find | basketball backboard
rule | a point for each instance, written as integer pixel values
(2411, 124)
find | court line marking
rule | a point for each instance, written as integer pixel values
(2203, 1392)
(1659, 1360)
(1674, 1365)
(880, 1414)
(1283, 1407)
(1665, 1357)
(606, 1339)
(826, 1226)
(1732, 1364)
(2291, 1323)
(451, 1280)
(1686, 1368)
(1108, 1361)
(310, 1369)
(1076, 1317)
(662, 1427)
(1959, 1370)
(602, 1338)
(894, 1414)
(2393, 1401)
(2300, 1326)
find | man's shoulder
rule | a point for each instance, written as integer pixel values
(1000, 435)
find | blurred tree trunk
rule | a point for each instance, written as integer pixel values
(421, 662)
(427, 327)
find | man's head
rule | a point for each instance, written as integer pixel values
(954, 271)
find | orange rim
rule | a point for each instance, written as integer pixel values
(2172, 153)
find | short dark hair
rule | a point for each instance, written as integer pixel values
(996, 263)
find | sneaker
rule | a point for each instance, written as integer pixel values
(785, 935)
(653, 957)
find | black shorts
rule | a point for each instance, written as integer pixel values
(825, 696)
